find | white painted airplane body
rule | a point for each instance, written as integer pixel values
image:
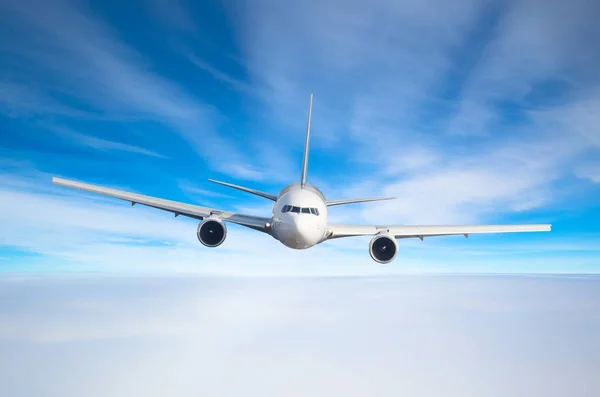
(305, 227)
(300, 216)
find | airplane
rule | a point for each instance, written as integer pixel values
(299, 218)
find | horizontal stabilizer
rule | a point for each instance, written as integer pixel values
(361, 200)
(247, 190)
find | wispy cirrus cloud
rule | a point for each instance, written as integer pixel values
(99, 143)
(461, 111)
(218, 74)
(471, 112)
(24, 100)
(590, 171)
(174, 13)
(99, 68)
(83, 58)
(195, 190)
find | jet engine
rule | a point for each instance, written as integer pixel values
(211, 232)
(383, 248)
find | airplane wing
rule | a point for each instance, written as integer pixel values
(337, 231)
(177, 208)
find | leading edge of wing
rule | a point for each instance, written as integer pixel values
(178, 208)
(337, 230)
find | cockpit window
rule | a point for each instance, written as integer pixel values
(299, 210)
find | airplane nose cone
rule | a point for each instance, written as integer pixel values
(306, 232)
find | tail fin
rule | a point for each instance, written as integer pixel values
(306, 142)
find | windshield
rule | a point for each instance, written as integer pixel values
(299, 210)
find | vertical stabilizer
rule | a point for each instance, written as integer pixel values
(306, 142)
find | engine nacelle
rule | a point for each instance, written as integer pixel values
(383, 248)
(211, 232)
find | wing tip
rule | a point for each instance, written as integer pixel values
(59, 181)
(544, 227)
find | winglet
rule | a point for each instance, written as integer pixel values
(306, 142)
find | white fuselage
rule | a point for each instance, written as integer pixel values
(299, 217)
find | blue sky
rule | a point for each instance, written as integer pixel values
(470, 112)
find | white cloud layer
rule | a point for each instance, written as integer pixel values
(410, 335)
